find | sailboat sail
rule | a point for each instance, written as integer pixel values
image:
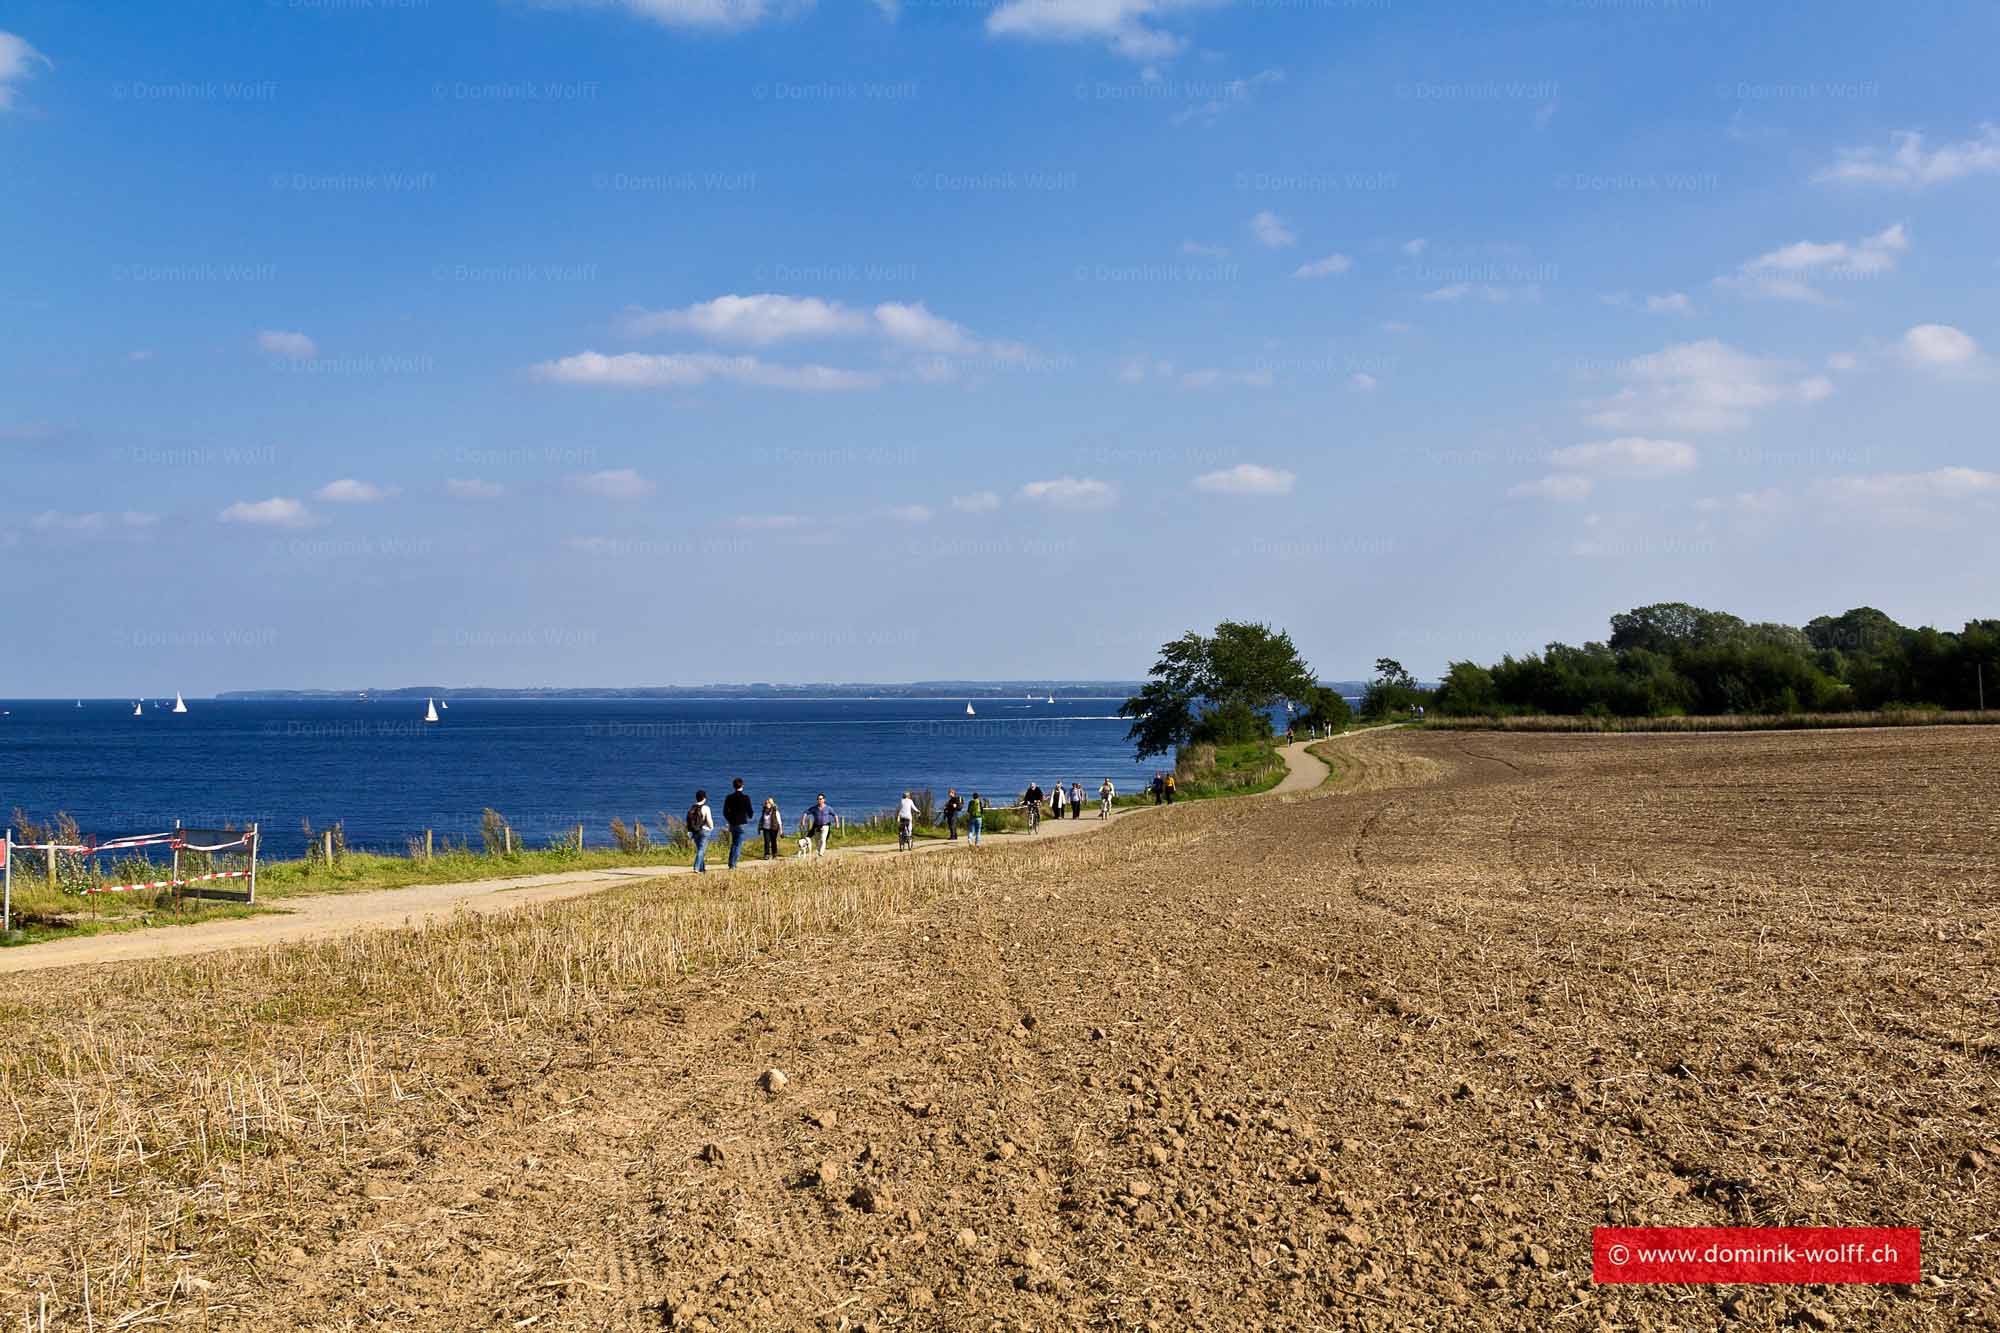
(430, 710)
(180, 704)
(969, 712)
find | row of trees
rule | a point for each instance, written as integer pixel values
(1660, 660)
(1672, 658)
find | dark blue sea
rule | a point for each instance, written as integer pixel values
(546, 765)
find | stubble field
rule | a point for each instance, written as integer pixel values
(1374, 1058)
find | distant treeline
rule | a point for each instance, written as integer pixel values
(1673, 659)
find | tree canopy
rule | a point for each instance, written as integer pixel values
(1218, 687)
(1673, 658)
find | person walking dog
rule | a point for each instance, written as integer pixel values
(819, 822)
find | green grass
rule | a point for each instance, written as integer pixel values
(43, 912)
(1206, 772)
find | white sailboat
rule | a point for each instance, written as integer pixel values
(1052, 698)
(138, 709)
(443, 704)
(969, 712)
(430, 710)
(180, 704)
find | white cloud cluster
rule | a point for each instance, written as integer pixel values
(935, 346)
(1909, 165)
(1324, 268)
(1704, 386)
(472, 488)
(714, 15)
(1664, 303)
(94, 524)
(277, 512)
(979, 502)
(684, 370)
(1788, 272)
(1247, 479)
(1581, 466)
(1071, 493)
(1940, 347)
(349, 491)
(1272, 232)
(1488, 292)
(291, 346)
(1129, 27)
(620, 483)
(17, 62)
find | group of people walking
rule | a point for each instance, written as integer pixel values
(1162, 788)
(740, 814)
(1060, 801)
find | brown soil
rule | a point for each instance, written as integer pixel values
(1377, 1058)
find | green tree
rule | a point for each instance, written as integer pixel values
(1324, 707)
(1215, 686)
(1467, 690)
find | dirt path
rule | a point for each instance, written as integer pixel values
(321, 916)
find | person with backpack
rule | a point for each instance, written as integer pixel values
(1076, 800)
(906, 822)
(819, 822)
(1104, 795)
(772, 823)
(737, 812)
(700, 825)
(952, 805)
(975, 816)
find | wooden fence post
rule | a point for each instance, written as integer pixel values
(326, 846)
(427, 846)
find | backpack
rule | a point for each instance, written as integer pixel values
(694, 818)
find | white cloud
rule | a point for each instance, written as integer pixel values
(1071, 493)
(1271, 231)
(1909, 496)
(914, 325)
(1414, 246)
(1487, 292)
(680, 370)
(910, 513)
(1564, 487)
(1754, 504)
(1322, 268)
(17, 62)
(1247, 479)
(757, 321)
(129, 523)
(1672, 303)
(979, 502)
(1125, 25)
(718, 15)
(349, 491)
(620, 483)
(1910, 166)
(291, 346)
(1787, 272)
(277, 512)
(1204, 251)
(1629, 456)
(1210, 378)
(768, 522)
(1362, 382)
(1235, 92)
(1843, 361)
(1702, 387)
(1939, 347)
(472, 488)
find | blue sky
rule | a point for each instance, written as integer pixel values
(669, 341)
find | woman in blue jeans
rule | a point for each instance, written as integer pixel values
(975, 816)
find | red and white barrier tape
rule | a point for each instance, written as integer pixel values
(128, 844)
(168, 883)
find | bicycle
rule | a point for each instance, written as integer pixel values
(1034, 817)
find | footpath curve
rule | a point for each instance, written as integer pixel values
(323, 916)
